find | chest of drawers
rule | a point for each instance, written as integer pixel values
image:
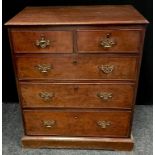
(77, 73)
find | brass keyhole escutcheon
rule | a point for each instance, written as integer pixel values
(76, 117)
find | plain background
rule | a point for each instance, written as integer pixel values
(145, 7)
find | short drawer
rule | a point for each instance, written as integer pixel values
(82, 67)
(77, 123)
(77, 95)
(110, 41)
(42, 41)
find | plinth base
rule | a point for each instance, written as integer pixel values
(123, 144)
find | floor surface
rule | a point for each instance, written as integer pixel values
(12, 132)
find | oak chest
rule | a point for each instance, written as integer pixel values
(77, 71)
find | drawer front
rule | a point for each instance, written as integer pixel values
(83, 67)
(110, 41)
(77, 95)
(42, 41)
(75, 123)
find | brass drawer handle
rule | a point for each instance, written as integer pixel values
(106, 68)
(42, 43)
(44, 68)
(108, 41)
(45, 96)
(49, 123)
(103, 124)
(104, 95)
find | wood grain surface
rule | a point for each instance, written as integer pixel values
(77, 123)
(77, 95)
(115, 144)
(25, 41)
(78, 15)
(83, 67)
(126, 41)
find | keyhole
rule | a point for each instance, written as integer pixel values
(108, 35)
(42, 35)
(76, 87)
(75, 62)
(76, 117)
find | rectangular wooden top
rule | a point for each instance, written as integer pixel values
(78, 15)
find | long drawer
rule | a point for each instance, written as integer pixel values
(81, 67)
(77, 95)
(77, 123)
